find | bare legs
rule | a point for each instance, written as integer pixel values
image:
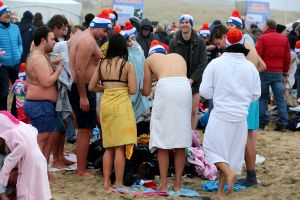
(195, 103)
(163, 161)
(82, 147)
(114, 155)
(226, 175)
(59, 160)
(45, 144)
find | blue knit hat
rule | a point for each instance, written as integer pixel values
(3, 8)
(187, 17)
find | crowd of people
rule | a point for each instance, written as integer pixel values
(100, 74)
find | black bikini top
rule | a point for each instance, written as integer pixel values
(113, 80)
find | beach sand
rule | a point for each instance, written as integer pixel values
(279, 173)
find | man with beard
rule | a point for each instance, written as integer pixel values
(42, 93)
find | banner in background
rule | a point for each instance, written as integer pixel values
(257, 12)
(126, 8)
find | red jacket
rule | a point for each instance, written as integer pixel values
(274, 49)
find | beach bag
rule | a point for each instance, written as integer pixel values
(290, 99)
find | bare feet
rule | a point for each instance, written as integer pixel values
(122, 186)
(220, 194)
(85, 174)
(230, 179)
(108, 187)
(58, 165)
(67, 162)
(163, 188)
(176, 187)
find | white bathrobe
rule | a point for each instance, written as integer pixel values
(232, 82)
(170, 125)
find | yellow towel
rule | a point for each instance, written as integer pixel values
(117, 119)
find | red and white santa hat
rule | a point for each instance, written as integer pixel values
(155, 47)
(101, 20)
(131, 30)
(112, 15)
(119, 30)
(204, 31)
(297, 47)
(234, 36)
(235, 18)
(3, 8)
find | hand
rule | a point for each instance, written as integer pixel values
(3, 196)
(191, 81)
(57, 60)
(210, 47)
(84, 104)
(60, 67)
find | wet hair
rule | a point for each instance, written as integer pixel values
(218, 32)
(57, 21)
(117, 47)
(38, 19)
(39, 33)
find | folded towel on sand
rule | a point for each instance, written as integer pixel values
(210, 186)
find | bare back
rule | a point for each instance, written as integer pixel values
(171, 65)
(84, 55)
(38, 71)
(112, 77)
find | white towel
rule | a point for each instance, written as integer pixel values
(170, 125)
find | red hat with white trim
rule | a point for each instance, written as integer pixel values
(204, 31)
(131, 30)
(118, 30)
(234, 36)
(235, 18)
(297, 47)
(101, 20)
(155, 47)
(3, 8)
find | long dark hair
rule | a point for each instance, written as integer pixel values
(117, 47)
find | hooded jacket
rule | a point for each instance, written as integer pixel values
(145, 41)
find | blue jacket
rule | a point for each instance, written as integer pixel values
(11, 43)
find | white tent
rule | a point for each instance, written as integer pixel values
(69, 8)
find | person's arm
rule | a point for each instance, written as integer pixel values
(94, 85)
(3, 196)
(20, 44)
(201, 62)
(257, 87)
(287, 59)
(44, 73)
(206, 89)
(147, 84)
(261, 66)
(131, 79)
(83, 55)
(11, 160)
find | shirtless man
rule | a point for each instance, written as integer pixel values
(171, 113)
(218, 38)
(42, 93)
(84, 57)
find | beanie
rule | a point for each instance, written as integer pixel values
(27, 15)
(101, 20)
(234, 36)
(187, 17)
(155, 47)
(131, 30)
(204, 31)
(235, 18)
(118, 30)
(3, 8)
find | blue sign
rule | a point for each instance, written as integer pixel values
(257, 12)
(126, 8)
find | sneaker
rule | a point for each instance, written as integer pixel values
(280, 128)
